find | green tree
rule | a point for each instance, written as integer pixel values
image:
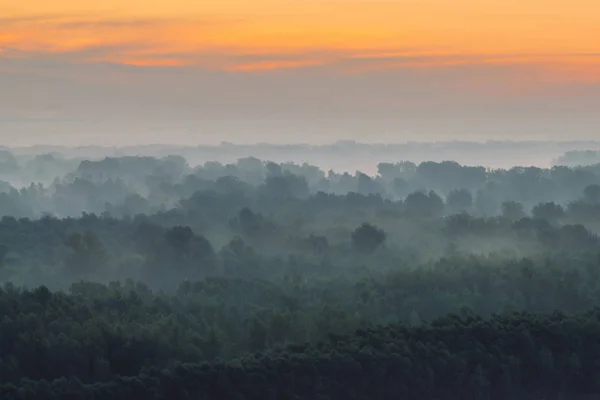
(88, 254)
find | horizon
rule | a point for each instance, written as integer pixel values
(113, 73)
(343, 155)
(307, 144)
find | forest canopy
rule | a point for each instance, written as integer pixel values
(146, 277)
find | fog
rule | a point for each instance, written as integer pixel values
(425, 201)
(300, 206)
(125, 269)
(345, 156)
(54, 101)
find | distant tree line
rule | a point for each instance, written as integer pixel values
(128, 185)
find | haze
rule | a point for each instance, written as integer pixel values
(299, 199)
(114, 73)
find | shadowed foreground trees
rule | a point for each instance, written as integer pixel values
(460, 356)
(126, 342)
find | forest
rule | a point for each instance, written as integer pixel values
(139, 277)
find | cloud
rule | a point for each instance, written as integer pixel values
(133, 51)
(204, 43)
(367, 67)
(103, 99)
(105, 20)
(62, 34)
(35, 19)
(273, 65)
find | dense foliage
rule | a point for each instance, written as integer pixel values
(456, 357)
(145, 278)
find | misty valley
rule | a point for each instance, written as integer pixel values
(155, 277)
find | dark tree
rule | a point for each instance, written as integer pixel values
(180, 237)
(88, 254)
(286, 186)
(317, 244)
(459, 200)
(512, 210)
(201, 250)
(592, 194)
(551, 211)
(248, 222)
(366, 185)
(3, 255)
(367, 238)
(422, 205)
(190, 251)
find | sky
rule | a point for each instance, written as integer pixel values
(288, 71)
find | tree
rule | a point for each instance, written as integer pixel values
(592, 194)
(459, 200)
(512, 210)
(551, 211)
(3, 255)
(179, 237)
(286, 186)
(486, 200)
(248, 222)
(367, 238)
(135, 204)
(273, 169)
(577, 237)
(400, 187)
(403, 170)
(424, 205)
(252, 170)
(201, 250)
(189, 250)
(88, 254)
(317, 244)
(366, 185)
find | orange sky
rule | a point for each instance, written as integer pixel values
(355, 35)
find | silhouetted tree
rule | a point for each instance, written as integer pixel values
(592, 194)
(512, 210)
(550, 211)
(423, 205)
(366, 185)
(179, 237)
(459, 200)
(367, 238)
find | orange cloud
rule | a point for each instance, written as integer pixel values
(273, 65)
(155, 62)
(355, 36)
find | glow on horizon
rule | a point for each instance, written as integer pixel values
(560, 38)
